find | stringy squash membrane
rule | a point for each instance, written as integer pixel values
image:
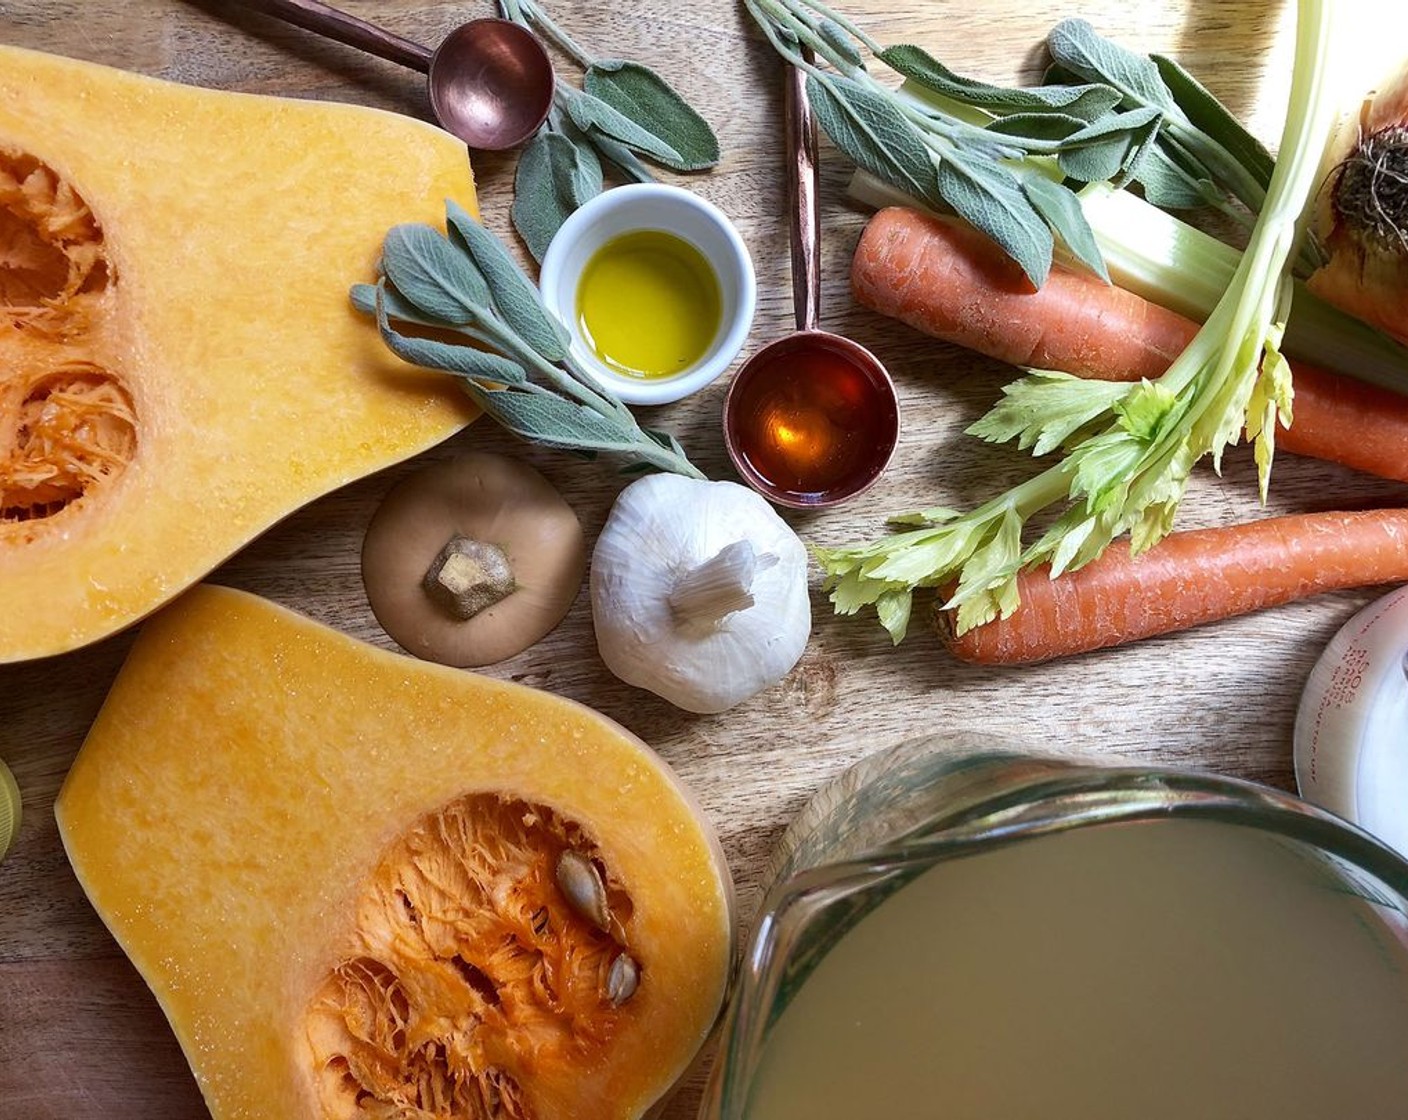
(67, 423)
(470, 969)
(63, 433)
(51, 249)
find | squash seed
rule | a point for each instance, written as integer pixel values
(622, 980)
(582, 885)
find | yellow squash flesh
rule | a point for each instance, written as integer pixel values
(179, 363)
(270, 817)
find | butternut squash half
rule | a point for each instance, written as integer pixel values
(362, 885)
(179, 364)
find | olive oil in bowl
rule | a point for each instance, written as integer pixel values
(656, 289)
(648, 304)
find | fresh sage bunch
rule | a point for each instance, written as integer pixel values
(623, 111)
(1008, 160)
(514, 360)
(1202, 155)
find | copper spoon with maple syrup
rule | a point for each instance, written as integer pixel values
(812, 419)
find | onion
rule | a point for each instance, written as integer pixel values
(1362, 219)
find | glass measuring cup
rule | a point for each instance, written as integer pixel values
(866, 991)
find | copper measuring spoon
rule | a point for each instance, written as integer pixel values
(812, 419)
(490, 80)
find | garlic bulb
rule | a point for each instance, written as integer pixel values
(699, 592)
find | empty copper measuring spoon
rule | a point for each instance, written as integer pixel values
(490, 81)
(812, 419)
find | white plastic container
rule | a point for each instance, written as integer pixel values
(1351, 733)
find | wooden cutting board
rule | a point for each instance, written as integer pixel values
(80, 1037)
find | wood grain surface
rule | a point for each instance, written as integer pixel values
(80, 1037)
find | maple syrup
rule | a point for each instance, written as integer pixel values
(811, 420)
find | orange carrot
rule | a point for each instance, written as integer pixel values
(1187, 579)
(948, 280)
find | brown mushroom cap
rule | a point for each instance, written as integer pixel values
(486, 498)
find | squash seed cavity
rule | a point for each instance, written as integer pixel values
(51, 247)
(67, 423)
(476, 958)
(63, 433)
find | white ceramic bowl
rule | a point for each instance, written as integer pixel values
(653, 206)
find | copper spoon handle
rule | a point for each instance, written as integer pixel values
(800, 137)
(326, 20)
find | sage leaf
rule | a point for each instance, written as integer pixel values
(665, 440)
(506, 341)
(1062, 211)
(1207, 114)
(836, 37)
(641, 95)
(432, 274)
(1037, 126)
(554, 177)
(467, 361)
(874, 135)
(576, 170)
(1110, 149)
(990, 198)
(608, 151)
(593, 115)
(872, 132)
(619, 157)
(364, 298)
(514, 295)
(1075, 45)
(1169, 186)
(553, 421)
(1086, 102)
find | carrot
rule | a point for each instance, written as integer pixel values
(948, 280)
(1189, 578)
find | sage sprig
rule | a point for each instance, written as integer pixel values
(1008, 160)
(624, 110)
(1202, 155)
(514, 361)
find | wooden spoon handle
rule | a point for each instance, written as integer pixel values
(324, 19)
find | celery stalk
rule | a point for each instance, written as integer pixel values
(1168, 262)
